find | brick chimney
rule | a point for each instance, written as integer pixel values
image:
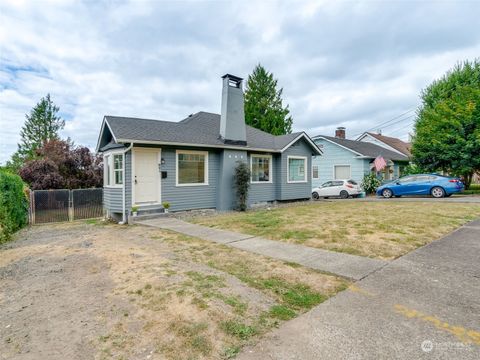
(232, 118)
(340, 132)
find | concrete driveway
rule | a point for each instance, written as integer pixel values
(425, 305)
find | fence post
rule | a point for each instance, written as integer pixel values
(70, 205)
(32, 207)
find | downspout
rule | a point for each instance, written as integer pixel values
(124, 219)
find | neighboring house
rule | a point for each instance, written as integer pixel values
(191, 163)
(351, 159)
(387, 142)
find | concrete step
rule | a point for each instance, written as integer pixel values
(144, 210)
(151, 216)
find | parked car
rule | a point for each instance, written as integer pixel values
(341, 188)
(422, 184)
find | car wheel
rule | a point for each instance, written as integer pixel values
(438, 192)
(344, 194)
(387, 193)
(315, 195)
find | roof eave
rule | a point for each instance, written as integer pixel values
(303, 134)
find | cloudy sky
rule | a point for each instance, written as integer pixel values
(341, 63)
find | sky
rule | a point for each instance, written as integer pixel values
(340, 63)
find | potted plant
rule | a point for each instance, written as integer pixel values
(134, 210)
(166, 206)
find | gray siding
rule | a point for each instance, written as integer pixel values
(226, 197)
(290, 191)
(189, 197)
(259, 192)
(113, 199)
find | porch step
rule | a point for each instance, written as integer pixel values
(150, 209)
(137, 218)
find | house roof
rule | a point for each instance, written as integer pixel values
(202, 128)
(395, 143)
(365, 149)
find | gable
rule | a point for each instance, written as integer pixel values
(331, 149)
(105, 136)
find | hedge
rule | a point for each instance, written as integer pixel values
(13, 205)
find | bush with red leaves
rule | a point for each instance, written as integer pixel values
(61, 165)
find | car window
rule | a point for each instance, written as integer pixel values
(352, 182)
(337, 183)
(327, 184)
(406, 179)
(422, 178)
(432, 178)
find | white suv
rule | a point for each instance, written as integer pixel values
(340, 188)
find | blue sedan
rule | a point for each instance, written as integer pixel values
(422, 184)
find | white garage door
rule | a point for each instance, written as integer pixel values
(342, 172)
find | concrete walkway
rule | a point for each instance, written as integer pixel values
(424, 305)
(349, 266)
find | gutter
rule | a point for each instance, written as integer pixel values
(124, 219)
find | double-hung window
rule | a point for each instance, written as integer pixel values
(297, 166)
(118, 169)
(315, 172)
(261, 168)
(113, 170)
(192, 168)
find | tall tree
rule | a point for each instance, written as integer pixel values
(41, 125)
(263, 104)
(447, 129)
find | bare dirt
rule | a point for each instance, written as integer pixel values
(93, 291)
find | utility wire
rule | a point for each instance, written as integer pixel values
(387, 122)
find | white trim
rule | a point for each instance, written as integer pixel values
(195, 152)
(333, 142)
(303, 134)
(349, 175)
(318, 172)
(385, 145)
(244, 148)
(97, 148)
(305, 169)
(135, 150)
(270, 168)
(111, 154)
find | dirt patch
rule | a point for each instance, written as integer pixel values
(83, 291)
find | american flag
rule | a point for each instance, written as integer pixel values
(379, 163)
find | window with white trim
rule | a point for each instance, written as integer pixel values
(106, 169)
(297, 169)
(315, 171)
(118, 169)
(341, 172)
(192, 167)
(261, 168)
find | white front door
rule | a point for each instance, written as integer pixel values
(146, 176)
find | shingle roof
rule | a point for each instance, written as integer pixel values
(366, 149)
(202, 128)
(395, 143)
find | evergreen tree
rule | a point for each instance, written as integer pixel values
(263, 104)
(41, 126)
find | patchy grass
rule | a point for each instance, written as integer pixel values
(382, 230)
(176, 297)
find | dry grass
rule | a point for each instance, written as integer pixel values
(381, 230)
(177, 297)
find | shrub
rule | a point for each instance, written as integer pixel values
(370, 183)
(242, 183)
(13, 205)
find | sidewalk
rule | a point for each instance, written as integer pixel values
(424, 305)
(346, 265)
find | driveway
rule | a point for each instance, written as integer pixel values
(425, 305)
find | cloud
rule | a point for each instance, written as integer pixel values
(354, 64)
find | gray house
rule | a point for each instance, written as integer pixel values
(190, 163)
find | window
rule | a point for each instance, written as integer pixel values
(341, 171)
(261, 168)
(192, 168)
(296, 169)
(118, 169)
(106, 176)
(327, 184)
(315, 171)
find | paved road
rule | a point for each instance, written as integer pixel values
(346, 265)
(454, 199)
(424, 305)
